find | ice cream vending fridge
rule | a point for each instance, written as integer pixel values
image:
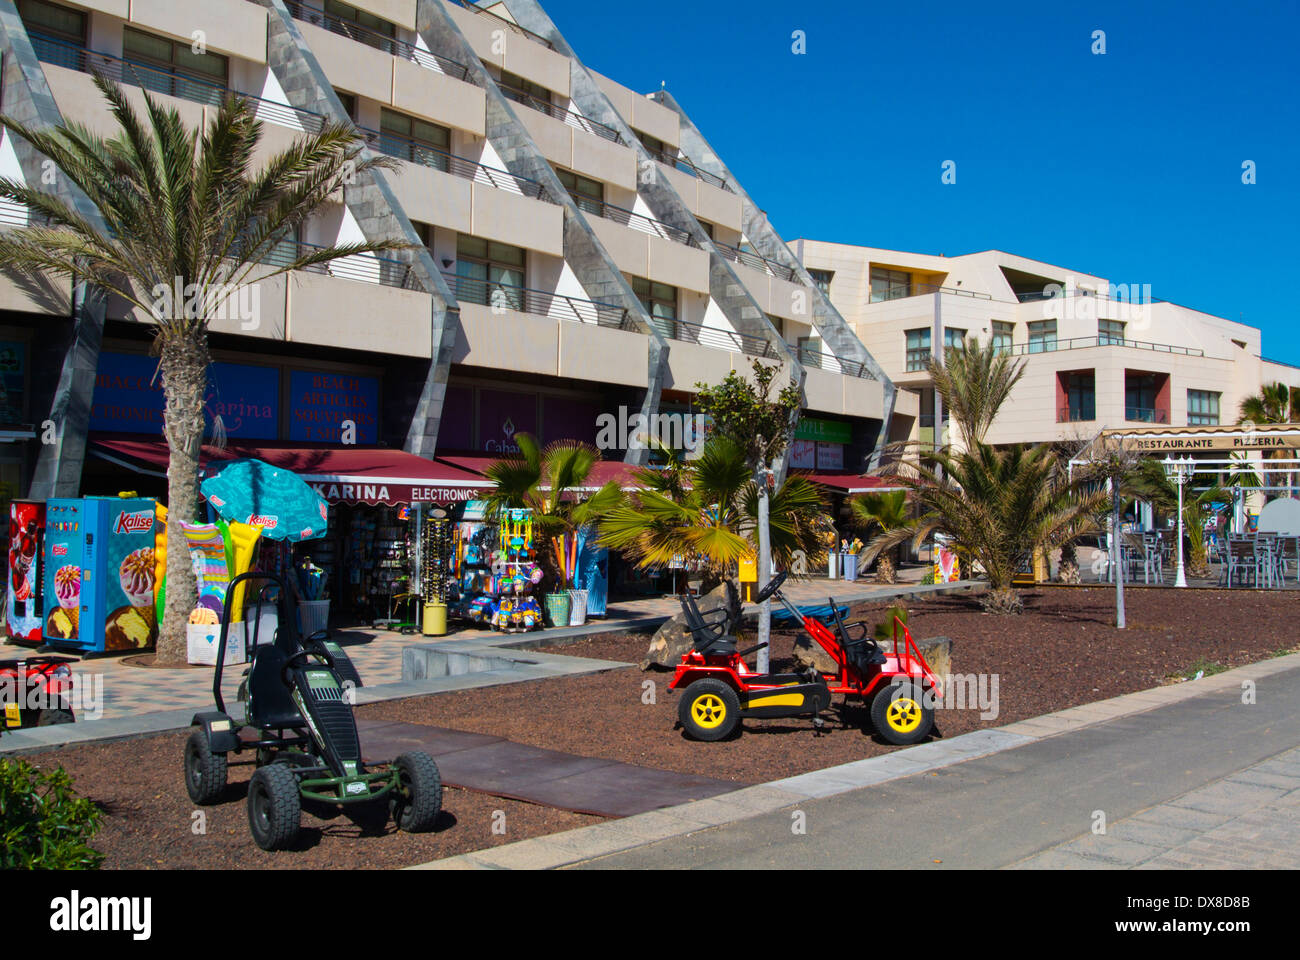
(99, 574)
(23, 610)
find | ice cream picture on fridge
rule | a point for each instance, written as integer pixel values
(99, 574)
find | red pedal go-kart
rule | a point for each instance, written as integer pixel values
(36, 692)
(719, 689)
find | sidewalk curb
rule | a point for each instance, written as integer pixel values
(627, 833)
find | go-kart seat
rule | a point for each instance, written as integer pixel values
(708, 630)
(861, 651)
(269, 704)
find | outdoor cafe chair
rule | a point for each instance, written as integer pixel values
(1243, 560)
(1266, 548)
(1288, 552)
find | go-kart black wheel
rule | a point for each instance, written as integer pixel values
(51, 717)
(417, 798)
(274, 807)
(900, 713)
(205, 771)
(709, 710)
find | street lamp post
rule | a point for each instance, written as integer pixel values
(1179, 470)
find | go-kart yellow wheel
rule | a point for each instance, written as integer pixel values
(900, 713)
(709, 710)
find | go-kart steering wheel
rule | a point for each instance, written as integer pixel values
(772, 587)
(292, 662)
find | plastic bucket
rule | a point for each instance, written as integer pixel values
(313, 615)
(558, 608)
(435, 620)
(850, 566)
(578, 612)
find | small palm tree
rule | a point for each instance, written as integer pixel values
(550, 482)
(184, 210)
(888, 511)
(1275, 403)
(975, 380)
(707, 508)
(1151, 483)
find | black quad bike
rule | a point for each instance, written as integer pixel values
(299, 725)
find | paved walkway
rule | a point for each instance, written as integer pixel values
(131, 691)
(1198, 774)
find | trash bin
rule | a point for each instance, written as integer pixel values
(578, 608)
(435, 619)
(313, 616)
(832, 565)
(850, 563)
(558, 608)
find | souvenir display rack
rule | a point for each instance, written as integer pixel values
(496, 573)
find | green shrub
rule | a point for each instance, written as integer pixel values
(928, 578)
(884, 632)
(44, 824)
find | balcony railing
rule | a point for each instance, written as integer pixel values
(1076, 414)
(757, 262)
(1146, 415)
(509, 24)
(715, 337)
(921, 290)
(405, 148)
(541, 303)
(186, 86)
(380, 41)
(1106, 340)
(681, 163)
(365, 267)
(637, 221)
(573, 119)
(828, 361)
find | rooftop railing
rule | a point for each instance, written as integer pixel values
(637, 221)
(1105, 340)
(406, 148)
(757, 262)
(542, 303)
(1036, 296)
(921, 290)
(171, 82)
(576, 120)
(380, 41)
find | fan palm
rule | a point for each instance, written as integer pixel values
(184, 210)
(999, 507)
(975, 380)
(888, 511)
(707, 508)
(550, 481)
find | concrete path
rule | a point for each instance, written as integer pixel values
(1185, 775)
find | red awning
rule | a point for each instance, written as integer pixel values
(370, 475)
(851, 483)
(602, 472)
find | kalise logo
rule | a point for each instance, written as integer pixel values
(60, 549)
(134, 522)
(259, 521)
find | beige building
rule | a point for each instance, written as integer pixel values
(1099, 353)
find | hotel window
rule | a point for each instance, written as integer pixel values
(822, 280)
(490, 273)
(953, 337)
(889, 284)
(413, 139)
(588, 194)
(1110, 332)
(657, 148)
(660, 301)
(1042, 336)
(918, 349)
(526, 92)
(1080, 394)
(50, 27)
(174, 68)
(342, 16)
(1202, 408)
(1003, 336)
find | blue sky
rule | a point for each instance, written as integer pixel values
(1127, 165)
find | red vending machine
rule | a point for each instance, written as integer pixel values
(23, 608)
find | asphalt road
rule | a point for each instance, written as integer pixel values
(996, 810)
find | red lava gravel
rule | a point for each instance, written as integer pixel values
(1063, 651)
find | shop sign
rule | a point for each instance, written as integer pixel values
(830, 456)
(128, 397)
(392, 494)
(502, 414)
(322, 405)
(803, 454)
(825, 431)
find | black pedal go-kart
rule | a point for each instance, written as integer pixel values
(299, 725)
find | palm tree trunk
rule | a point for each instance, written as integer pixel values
(185, 378)
(885, 572)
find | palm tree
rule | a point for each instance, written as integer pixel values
(550, 482)
(999, 507)
(707, 508)
(1150, 482)
(974, 381)
(183, 210)
(1275, 403)
(888, 511)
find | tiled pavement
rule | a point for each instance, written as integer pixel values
(1249, 820)
(132, 691)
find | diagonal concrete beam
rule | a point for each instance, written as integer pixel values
(832, 327)
(591, 263)
(374, 205)
(27, 98)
